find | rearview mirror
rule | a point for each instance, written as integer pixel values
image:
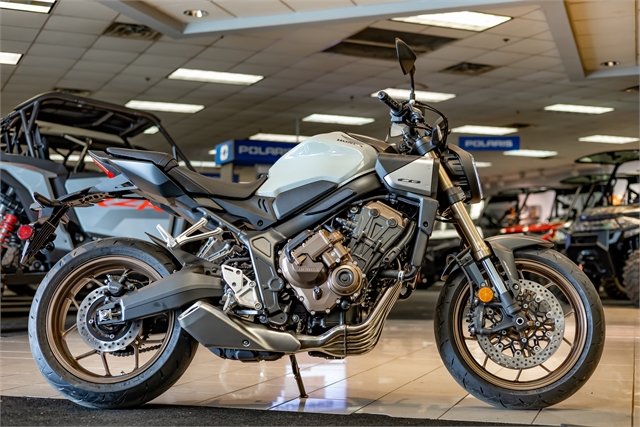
(406, 57)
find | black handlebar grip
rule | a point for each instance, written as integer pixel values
(394, 105)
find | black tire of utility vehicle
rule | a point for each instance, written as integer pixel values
(631, 277)
(153, 381)
(614, 289)
(529, 399)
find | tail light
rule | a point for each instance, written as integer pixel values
(103, 168)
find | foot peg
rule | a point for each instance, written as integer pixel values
(296, 374)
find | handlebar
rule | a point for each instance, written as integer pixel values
(394, 105)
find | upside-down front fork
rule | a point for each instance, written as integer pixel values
(479, 248)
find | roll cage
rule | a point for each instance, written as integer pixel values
(20, 133)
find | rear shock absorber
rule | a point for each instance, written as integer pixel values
(7, 227)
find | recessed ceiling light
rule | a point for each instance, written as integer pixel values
(531, 153)
(168, 107)
(610, 63)
(8, 58)
(484, 130)
(199, 164)
(214, 77)
(196, 13)
(421, 95)
(466, 20)
(152, 130)
(583, 109)
(608, 139)
(37, 6)
(276, 137)
(483, 164)
(340, 120)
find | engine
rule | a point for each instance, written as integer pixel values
(329, 267)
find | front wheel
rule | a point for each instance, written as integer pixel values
(531, 368)
(106, 366)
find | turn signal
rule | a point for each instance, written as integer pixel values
(485, 294)
(25, 232)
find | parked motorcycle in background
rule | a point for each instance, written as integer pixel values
(310, 259)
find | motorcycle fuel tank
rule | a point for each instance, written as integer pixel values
(333, 157)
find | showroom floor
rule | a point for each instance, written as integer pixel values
(403, 376)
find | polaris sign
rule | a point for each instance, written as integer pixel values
(248, 152)
(489, 143)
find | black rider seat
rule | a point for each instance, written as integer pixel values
(193, 182)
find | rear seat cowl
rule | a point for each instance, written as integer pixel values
(164, 161)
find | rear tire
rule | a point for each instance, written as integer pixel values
(64, 371)
(512, 394)
(631, 277)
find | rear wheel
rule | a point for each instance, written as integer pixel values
(106, 366)
(631, 277)
(535, 367)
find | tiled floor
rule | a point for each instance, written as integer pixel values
(403, 376)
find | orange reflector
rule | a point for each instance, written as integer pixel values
(485, 294)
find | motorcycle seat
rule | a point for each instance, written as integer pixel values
(198, 184)
(164, 161)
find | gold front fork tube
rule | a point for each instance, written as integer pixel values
(479, 248)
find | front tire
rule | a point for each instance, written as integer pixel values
(59, 350)
(533, 387)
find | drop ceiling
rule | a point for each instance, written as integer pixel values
(538, 62)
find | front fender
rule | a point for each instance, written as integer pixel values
(503, 247)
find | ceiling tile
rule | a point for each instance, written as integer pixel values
(47, 61)
(66, 39)
(292, 48)
(56, 51)
(224, 55)
(511, 11)
(121, 44)
(97, 66)
(147, 71)
(174, 49)
(109, 56)
(519, 28)
(15, 46)
(457, 53)
(246, 8)
(17, 33)
(543, 76)
(195, 41)
(307, 5)
(259, 69)
(84, 9)
(497, 58)
(15, 18)
(530, 46)
(208, 64)
(158, 60)
(242, 42)
(88, 76)
(537, 63)
(79, 84)
(487, 41)
(75, 25)
(26, 70)
(272, 59)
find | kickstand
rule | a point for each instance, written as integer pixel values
(297, 376)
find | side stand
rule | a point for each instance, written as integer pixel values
(297, 376)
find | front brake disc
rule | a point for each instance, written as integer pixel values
(536, 343)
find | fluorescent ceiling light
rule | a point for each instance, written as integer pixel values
(340, 120)
(483, 164)
(276, 137)
(213, 152)
(152, 130)
(484, 130)
(9, 58)
(214, 77)
(199, 164)
(38, 6)
(531, 153)
(421, 95)
(608, 139)
(466, 20)
(583, 109)
(168, 107)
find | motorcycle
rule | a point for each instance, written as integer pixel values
(309, 259)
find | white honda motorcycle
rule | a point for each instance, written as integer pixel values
(309, 259)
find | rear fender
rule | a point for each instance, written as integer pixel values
(503, 247)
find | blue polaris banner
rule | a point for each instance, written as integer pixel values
(489, 143)
(249, 152)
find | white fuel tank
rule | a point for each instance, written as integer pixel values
(333, 157)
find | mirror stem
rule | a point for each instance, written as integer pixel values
(413, 89)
